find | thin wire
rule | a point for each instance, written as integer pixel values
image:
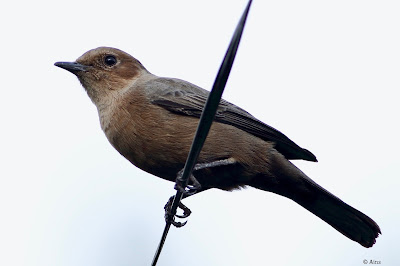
(206, 119)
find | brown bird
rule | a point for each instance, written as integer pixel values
(151, 121)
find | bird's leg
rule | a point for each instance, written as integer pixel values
(183, 185)
(189, 190)
(192, 189)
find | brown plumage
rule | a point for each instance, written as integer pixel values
(151, 122)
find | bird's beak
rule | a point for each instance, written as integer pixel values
(72, 67)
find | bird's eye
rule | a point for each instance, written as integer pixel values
(110, 60)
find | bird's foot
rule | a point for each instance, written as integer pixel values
(195, 186)
(170, 217)
(184, 187)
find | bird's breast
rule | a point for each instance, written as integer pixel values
(148, 136)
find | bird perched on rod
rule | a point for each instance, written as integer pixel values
(151, 121)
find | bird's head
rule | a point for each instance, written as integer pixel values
(104, 70)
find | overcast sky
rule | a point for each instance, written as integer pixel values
(326, 73)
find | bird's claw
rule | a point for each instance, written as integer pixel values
(169, 217)
(188, 190)
(178, 224)
(182, 186)
(186, 211)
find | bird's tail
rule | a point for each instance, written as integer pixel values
(292, 183)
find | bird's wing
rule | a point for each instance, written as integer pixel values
(184, 98)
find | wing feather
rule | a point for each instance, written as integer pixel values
(184, 98)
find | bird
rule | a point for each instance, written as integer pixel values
(151, 121)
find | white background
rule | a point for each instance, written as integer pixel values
(326, 73)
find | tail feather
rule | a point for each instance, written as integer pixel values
(341, 216)
(287, 180)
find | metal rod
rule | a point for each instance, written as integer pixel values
(206, 118)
